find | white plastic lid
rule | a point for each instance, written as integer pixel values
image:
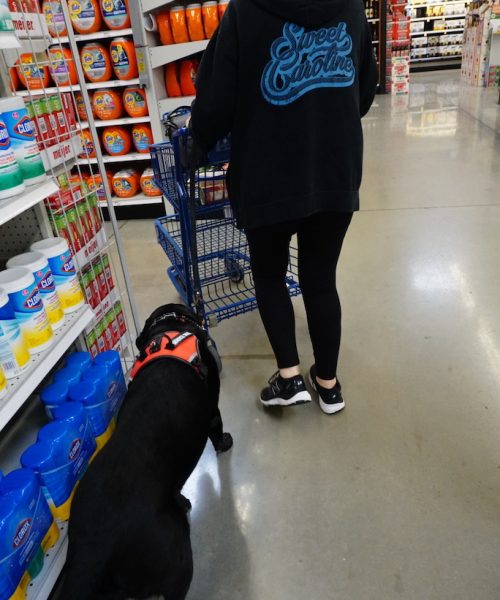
(210, 3)
(34, 261)
(4, 297)
(14, 280)
(148, 172)
(177, 8)
(124, 173)
(51, 247)
(195, 5)
(12, 103)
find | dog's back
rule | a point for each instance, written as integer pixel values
(128, 536)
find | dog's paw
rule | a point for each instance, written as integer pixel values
(225, 444)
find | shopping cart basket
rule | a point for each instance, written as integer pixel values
(209, 254)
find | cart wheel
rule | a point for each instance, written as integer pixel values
(235, 272)
(215, 353)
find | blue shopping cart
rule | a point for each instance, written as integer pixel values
(210, 262)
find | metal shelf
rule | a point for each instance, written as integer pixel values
(20, 388)
(168, 104)
(98, 35)
(41, 587)
(12, 207)
(138, 200)
(150, 5)
(456, 57)
(122, 121)
(163, 55)
(116, 159)
(442, 18)
(112, 83)
(438, 31)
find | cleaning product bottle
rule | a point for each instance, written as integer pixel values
(115, 13)
(28, 307)
(39, 266)
(11, 178)
(27, 531)
(54, 395)
(142, 137)
(85, 15)
(57, 251)
(117, 388)
(96, 62)
(21, 131)
(148, 183)
(135, 102)
(74, 416)
(81, 360)
(14, 354)
(97, 409)
(72, 446)
(116, 140)
(123, 57)
(54, 17)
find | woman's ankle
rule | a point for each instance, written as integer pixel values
(290, 372)
(328, 384)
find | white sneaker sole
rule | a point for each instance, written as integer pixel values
(328, 409)
(300, 398)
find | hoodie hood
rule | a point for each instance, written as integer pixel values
(307, 13)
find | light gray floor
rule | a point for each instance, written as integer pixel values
(399, 496)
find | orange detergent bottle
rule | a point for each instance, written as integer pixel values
(88, 145)
(142, 137)
(32, 76)
(164, 28)
(135, 102)
(115, 14)
(107, 104)
(85, 15)
(172, 81)
(54, 17)
(123, 58)
(148, 184)
(96, 62)
(126, 183)
(62, 66)
(188, 70)
(116, 141)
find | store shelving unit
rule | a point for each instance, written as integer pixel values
(437, 28)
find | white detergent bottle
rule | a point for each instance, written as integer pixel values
(21, 131)
(11, 179)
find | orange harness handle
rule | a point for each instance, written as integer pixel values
(172, 345)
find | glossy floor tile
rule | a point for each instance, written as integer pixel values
(399, 496)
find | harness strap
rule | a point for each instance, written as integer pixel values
(171, 345)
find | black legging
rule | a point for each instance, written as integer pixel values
(320, 239)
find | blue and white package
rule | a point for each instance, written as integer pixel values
(117, 388)
(53, 396)
(68, 375)
(27, 531)
(80, 360)
(97, 409)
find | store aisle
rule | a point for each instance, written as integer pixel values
(399, 496)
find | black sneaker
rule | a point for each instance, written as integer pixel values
(330, 401)
(285, 392)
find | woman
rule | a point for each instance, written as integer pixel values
(290, 80)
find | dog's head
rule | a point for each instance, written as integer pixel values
(170, 317)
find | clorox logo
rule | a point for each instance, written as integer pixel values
(47, 283)
(4, 137)
(75, 449)
(25, 127)
(33, 301)
(21, 535)
(68, 266)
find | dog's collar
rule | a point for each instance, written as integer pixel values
(172, 345)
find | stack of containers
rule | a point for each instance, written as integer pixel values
(37, 290)
(20, 158)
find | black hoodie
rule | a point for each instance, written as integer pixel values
(290, 80)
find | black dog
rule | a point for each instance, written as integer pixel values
(128, 531)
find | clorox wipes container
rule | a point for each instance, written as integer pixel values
(126, 183)
(39, 266)
(116, 386)
(85, 15)
(107, 104)
(57, 251)
(123, 58)
(116, 140)
(14, 354)
(115, 14)
(97, 409)
(28, 307)
(134, 101)
(27, 531)
(96, 62)
(21, 130)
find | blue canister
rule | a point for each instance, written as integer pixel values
(68, 375)
(80, 360)
(117, 388)
(96, 408)
(38, 457)
(27, 530)
(99, 376)
(53, 396)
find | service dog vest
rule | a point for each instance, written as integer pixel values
(171, 345)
